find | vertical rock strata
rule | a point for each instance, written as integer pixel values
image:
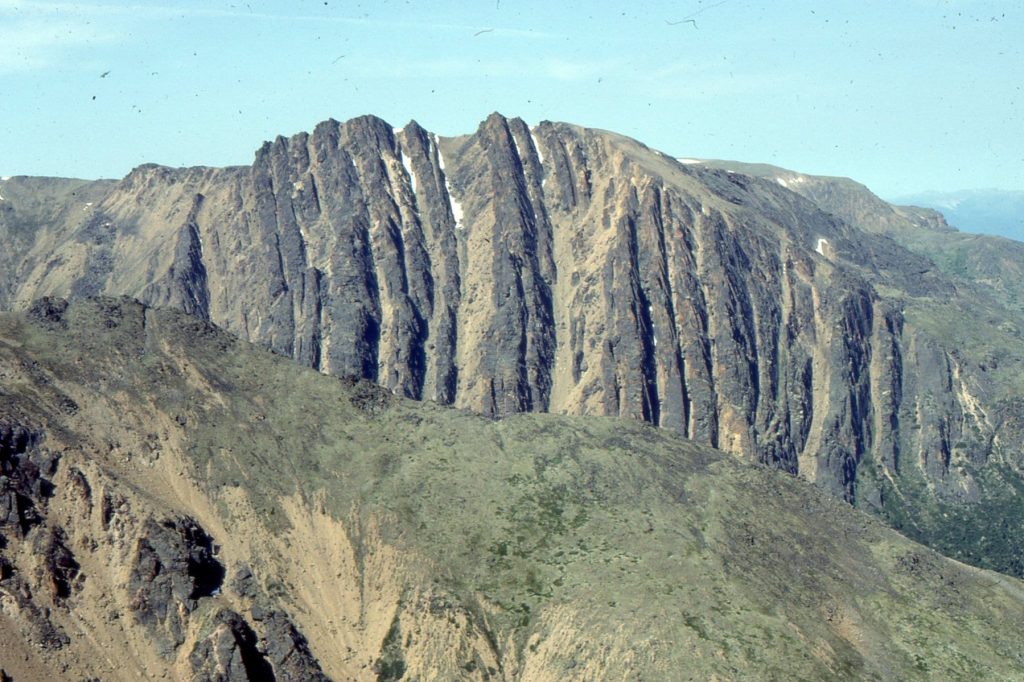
(547, 269)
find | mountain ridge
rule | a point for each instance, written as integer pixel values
(557, 268)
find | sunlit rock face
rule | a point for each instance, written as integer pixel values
(554, 269)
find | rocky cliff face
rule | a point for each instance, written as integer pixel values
(177, 504)
(556, 269)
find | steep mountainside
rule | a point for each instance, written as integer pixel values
(980, 325)
(176, 504)
(995, 263)
(575, 271)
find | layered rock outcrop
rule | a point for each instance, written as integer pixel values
(554, 269)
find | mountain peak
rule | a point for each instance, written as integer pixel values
(570, 270)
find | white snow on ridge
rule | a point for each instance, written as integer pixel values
(688, 162)
(5, 178)
(788, 182)
(408, 169)
(822, 243)
(455, 206)
(533, 138)
(456, 211)
(519, 152)
(440, 156)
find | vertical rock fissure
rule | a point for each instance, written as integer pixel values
(641, 313)
(445, 332)
(707, 326)
(672, 415)
(316, 320)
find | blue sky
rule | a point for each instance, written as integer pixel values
(903, 95)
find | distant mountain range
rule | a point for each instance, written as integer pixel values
(982, 211)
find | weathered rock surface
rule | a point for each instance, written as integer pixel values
(372, 538)
(172, 569)
(566, 270)
(287, 649)
(229, 653)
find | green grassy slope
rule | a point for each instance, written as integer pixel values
(580, 546)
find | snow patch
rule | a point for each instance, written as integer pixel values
(822, 243)
(536, 147)
(688, 162)
(408, 169)
(440, 156)
(5, 178)
(791, 180)
(519, 152)
(455, 206)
